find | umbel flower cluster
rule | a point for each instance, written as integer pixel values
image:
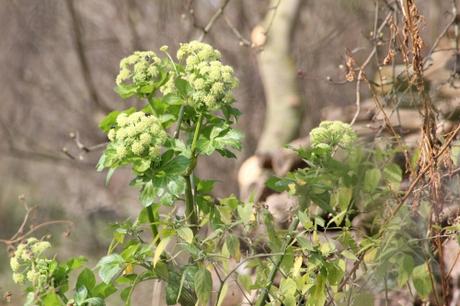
(212, 82)
(331, 134)
(140, 68)
(137, 136)
(27, 264)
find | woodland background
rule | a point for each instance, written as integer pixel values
(58, 61)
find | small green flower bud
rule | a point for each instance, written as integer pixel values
(18, 278)
(14, 263)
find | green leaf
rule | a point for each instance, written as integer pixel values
(103, 290)
(288, 287)
(110, 119)
(76, 263)
(203, 285)
(341, 198)
(317, 292)
(233, 245)
(175, 166)
(52, 299)
(277, 184)
(94, 301)
(422, 281)
(160, 249)
(246, 213)
(81, 294)
(110, 266)
(349, 255)
(305, 220)
(126, 91)
(393, 175)
(186, 234)
(372, 179)
(406, 266)
(86, 279)
(182, 86)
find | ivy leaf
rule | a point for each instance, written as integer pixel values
(203, 285)
(110, 266)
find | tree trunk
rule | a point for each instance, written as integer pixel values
(284, 104)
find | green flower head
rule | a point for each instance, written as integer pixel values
(28, 265)
(135, 137)
(211, 81)
(332, 134)
(140, 68)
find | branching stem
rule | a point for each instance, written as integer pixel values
(277, 262)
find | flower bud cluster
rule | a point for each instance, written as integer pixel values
(27, 264)
(330, 134)
(137, 136)
(140, 68)
(211, 81)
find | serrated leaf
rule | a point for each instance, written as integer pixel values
(203, 285)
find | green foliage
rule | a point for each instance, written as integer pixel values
(188, 113)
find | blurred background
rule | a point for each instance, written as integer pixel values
(58, 62)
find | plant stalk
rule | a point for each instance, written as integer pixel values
(190, 203)
(271, 277)
(153, 218)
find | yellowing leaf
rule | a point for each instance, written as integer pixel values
(370, 255)
(297, 265)
(160, 249)
(185, 234)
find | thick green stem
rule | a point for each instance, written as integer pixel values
(179, 121)
(153, 219)
(190, 206)
(271, 277)
(190, 212)
(195, 135)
